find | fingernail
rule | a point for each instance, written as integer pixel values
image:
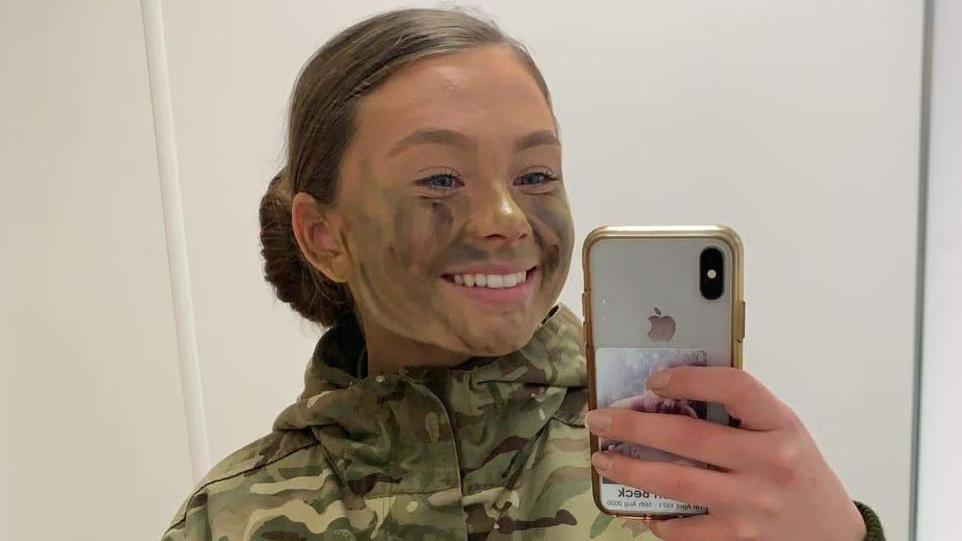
(598, 421)
(601, 461)
(658, 380)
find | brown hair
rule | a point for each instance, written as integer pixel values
(321, 123)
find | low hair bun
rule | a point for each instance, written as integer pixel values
(295, 281)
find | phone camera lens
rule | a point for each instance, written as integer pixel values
(711, 273)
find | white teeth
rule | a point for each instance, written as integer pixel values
(494, 281)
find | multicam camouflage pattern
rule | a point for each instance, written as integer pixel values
(493, 449)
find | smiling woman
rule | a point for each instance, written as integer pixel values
(422, 216)
(454, 168)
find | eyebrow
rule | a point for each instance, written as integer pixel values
(437, 136)
(537, 138)
(444, 136)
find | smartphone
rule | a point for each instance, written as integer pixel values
(656, 298)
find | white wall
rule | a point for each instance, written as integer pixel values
(795, 122)
(940, 452)
(93, 442)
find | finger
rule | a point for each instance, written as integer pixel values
(700, 528)
(678, 434)
(742, 395)
(697, 486)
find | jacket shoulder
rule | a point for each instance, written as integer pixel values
(247, 460)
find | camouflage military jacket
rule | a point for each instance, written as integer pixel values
(493, 449)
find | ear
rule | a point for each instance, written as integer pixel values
(318, 234)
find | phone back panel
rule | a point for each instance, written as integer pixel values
(644, 311)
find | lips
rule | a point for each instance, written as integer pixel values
(490, 277)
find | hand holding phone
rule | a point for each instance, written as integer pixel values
(663, 341)
(770, 480)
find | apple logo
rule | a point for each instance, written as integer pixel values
(662, 327)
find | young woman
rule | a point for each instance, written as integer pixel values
(422, 217)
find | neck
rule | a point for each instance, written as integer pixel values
(388, 352)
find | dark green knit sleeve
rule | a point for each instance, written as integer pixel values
(873, 525)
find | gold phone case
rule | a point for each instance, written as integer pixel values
(642, 266)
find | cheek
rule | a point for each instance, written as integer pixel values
(553, 232)
(442, 219)
(421, 230)
(363, 235)
(397, 257)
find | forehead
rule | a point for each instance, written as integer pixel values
(484, 91)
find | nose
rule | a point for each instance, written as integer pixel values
(498, 218)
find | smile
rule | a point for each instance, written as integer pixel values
(490, 280)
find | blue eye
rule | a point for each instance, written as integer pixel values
(440, 181)
(536, 178)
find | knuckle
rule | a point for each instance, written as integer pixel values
(788, 453)
(617, 416)
(614, 471)
(784, 462)
(621, 423)
(767, 504)
(746, 530)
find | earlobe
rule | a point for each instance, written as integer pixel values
(317, 232)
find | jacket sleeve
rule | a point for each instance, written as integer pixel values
(873, 525)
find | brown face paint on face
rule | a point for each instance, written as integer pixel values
(396, 244)
(443, 219)
(400, 267)
(403, 242)
(554, 233)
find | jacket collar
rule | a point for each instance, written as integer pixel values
(385, 433)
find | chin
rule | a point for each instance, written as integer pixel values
(500, 338)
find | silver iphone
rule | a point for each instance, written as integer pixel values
(655, 298)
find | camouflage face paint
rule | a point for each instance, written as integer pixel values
(394, 242)
(478, 121)
(553, 231)
(403, 244)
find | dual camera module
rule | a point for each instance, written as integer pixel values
(711, 273)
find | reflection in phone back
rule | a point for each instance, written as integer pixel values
(621, 377)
